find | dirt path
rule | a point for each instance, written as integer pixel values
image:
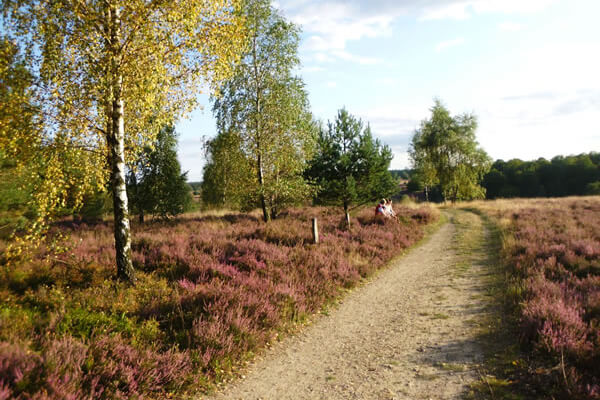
(407, 334)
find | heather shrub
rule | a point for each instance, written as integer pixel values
(106, 368)
(553, 248)
(19, 369)
(210, 291)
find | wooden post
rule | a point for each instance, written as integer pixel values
(315, 231)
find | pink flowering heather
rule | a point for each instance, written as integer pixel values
(556, 253)
(210, 290)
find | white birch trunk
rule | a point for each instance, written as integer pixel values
(116, 143)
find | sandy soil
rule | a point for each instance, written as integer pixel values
(406, 334)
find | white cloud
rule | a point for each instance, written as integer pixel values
(331, 25)
(400, 160)
(510, 27)
(464, 9)
(449, 43)
(322, 58)
(331, 84)
(394, 124)
(457, 11)
(547, 103)
(344, 55)
(387, 81)
(191, 157)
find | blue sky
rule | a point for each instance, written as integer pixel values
(529, 70)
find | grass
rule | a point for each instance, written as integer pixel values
(478, 239)
(426, 377)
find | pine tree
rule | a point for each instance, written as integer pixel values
(350, 166)
(156, 184)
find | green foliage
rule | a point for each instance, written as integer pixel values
(414, 185)
(155, 184)
(17, 110)
(17, 137)
(561, 176)
(228, 180)
(593, 188)
(13, 193)
(350, 166)
(444, 151)
(82, 323)
(266, 106)
(94, 206)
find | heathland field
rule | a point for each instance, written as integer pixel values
(502, 302)
(551, 249)
(210, 291)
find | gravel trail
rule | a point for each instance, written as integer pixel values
(406, 334)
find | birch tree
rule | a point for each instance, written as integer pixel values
(107, 75)
(268, 107)
(227, 177)
(444, 150)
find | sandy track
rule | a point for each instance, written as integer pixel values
(407, 334)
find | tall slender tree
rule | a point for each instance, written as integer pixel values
(109, 72)
(268, 107)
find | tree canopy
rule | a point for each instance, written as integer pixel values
(106, 74)
(350, 165)
(228, 178)
(265, 105)
(444, 152)
(156, 184)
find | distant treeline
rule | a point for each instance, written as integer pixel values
(561, 176)
(401, 173)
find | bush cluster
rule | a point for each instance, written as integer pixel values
(210, 291)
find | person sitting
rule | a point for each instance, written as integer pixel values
(380, 208)
(390, 209)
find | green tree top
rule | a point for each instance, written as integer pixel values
(350, 165)
(156, 184)
(444, 151)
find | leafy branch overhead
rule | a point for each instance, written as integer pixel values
(106, 76)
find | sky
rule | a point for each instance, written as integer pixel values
(528, 69)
